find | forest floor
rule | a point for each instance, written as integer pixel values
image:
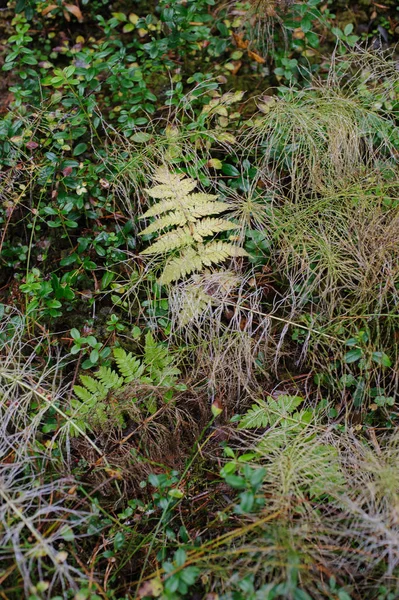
(199, 291)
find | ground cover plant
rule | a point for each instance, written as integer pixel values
(199, 212)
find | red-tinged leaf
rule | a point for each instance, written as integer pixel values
(32, 145)
(67, 171)
(75, 11)
(48, 9)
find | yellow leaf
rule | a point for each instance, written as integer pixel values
(133, 18)
(215, 163)
(152, 588)
(114, 473)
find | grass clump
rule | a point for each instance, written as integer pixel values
(39, 513)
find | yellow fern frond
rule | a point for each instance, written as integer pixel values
(163, 175)
(179, 189)
(193, 302)
(200, 198)
(208, 208)
(160, 208)
(191, 219)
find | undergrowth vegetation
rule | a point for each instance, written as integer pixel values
(199, 293)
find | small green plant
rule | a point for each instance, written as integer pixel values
(187, 217)
(114, 325)
(100, 397)
(88, 344)
(281, 411)
(247, 479)
(37, 290)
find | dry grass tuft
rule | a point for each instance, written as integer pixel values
(215, 315)
(37, 513)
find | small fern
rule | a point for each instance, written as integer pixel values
(272, 412)
(94, 404)
(159, 363)
(189, 220)
(282, 418)
(290, 448)
(130, 367)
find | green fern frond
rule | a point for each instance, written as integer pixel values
(159, 362)
(130, 367)
(95, 405)
(94, 386)
(273, 411)
(83, 393)
(280, 410)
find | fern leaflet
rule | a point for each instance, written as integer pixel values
(255, 417)
(130, 367)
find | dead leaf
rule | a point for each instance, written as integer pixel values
(75, 11)
(48, 9)
(114, 473)
(239, 40)
(256, 57)
(104, 183)
(237, 67)
(298, 34)
(67, 171)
